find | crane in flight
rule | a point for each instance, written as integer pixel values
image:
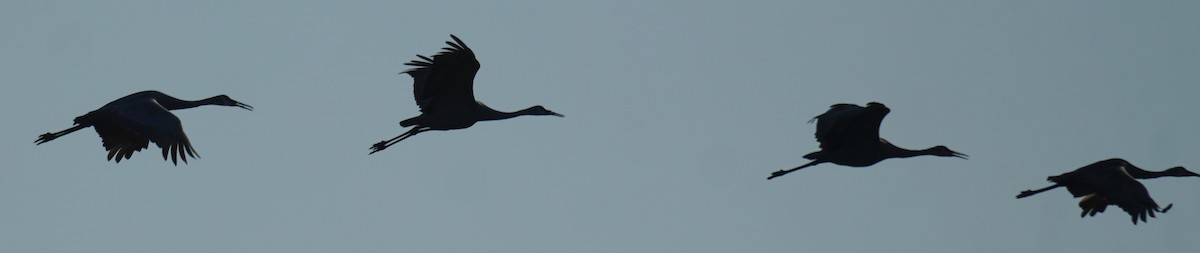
(128, 124)
(1112, 182)
(443, 87)
(849, 136)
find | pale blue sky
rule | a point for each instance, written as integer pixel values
(676, 113)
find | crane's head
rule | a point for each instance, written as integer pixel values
(539, 110)
(226, 101)
(1179, 172)
(944, 151)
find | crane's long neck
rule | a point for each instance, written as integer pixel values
(892, 151)
(487, 113)
(172, 103)
(1139, 173)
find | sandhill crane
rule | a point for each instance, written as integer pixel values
(1112, 182)
(128, 124)
(849, 136)
(444, 89)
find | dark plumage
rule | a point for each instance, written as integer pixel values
(1112, 182)
(130, 123)
(443, 87)
(849, 136)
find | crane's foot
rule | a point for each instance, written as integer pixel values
(1025, 193)
(378, 147)
(777, 174)
(44, 138)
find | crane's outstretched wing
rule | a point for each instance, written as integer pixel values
(1101, 185)
(1093, 204)
(129, 128)
(828, 121)
(1131, 196)
(848, 122)
(120, 142)
(835, 112)
(447, 78)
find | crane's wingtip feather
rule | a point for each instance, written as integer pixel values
(459, 41)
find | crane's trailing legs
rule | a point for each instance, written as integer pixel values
(1027, 193)
(51, 136)
(785, 172)
(388, 143)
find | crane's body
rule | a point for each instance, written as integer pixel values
(849, 136)
(1112, 182)
(443, 87)
(130, 123)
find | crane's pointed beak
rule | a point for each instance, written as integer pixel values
(559, 115)
(959, 155)
(244, 106)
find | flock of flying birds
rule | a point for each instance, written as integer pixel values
(443, 89)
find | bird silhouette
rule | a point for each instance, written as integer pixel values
(1112, 182)
(128, 124)
(849, 136)
(443, 87)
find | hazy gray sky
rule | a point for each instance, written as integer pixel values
(677, 111)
